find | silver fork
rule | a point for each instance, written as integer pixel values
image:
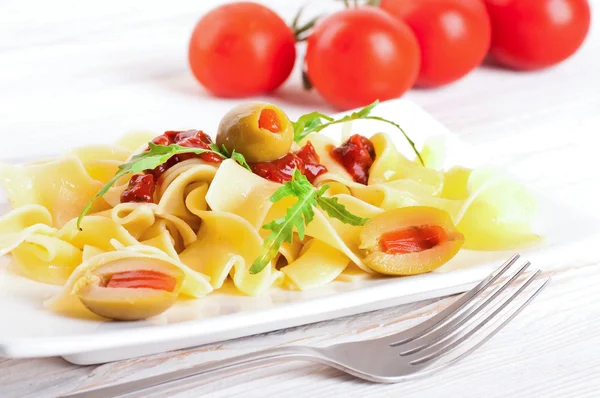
(422, 349)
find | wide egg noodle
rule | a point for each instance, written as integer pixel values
(90, 251)
(43, 257)
(126, 147)
(352, 273)
(176, 184)
(195, 203)
(385, 194)
(38, 254)
(183, 234)
(136, 218)
(101, 161)
(62, 186)
(164, 241)
(415, 186)
(143, 223)
(239, 191)
(251, 192)
(349, 233)
(23, 217)
(390, 165)
(289, 251)
(318, 265)
(96, 231)
(227, 244)
(498, 213)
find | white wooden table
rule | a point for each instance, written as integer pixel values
(72, 72)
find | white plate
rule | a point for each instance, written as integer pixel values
(27, 329)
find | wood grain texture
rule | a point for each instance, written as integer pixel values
(75, 71)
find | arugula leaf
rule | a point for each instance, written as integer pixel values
(215, 148)
(313, 123)
(299, 216)
(224, 150)
(154, 157)
(308, 123)
(362, 112)
(335, 209)
(238, 157)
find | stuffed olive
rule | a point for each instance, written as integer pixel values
(261, 132)
(409, 240)
(130, 289)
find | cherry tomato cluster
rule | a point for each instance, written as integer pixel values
(364, 53)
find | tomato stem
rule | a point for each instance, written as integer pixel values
(306, 83)
(300, 29)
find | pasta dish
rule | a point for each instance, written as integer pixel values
(130, 229)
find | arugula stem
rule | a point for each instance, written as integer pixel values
(410, 142)
(299, 215)
(285, 224)
(313, 123)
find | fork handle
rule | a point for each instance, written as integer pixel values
(250, 359)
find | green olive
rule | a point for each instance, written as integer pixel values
(130, 307)
(128, 303)
(246, 129)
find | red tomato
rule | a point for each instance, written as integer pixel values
(454, 36)
(534, 34)
(358, 55)
(241, 49)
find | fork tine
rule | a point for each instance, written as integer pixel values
(440, 363)
(464, 300)
(436, 350)
(436, 334)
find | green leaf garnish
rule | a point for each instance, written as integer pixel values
(313, 123)
(238, 157)
(335, 209)
(151, 159)
(309, 123)
(215, 148)
(299, 215)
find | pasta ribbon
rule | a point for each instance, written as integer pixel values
(62, 186)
